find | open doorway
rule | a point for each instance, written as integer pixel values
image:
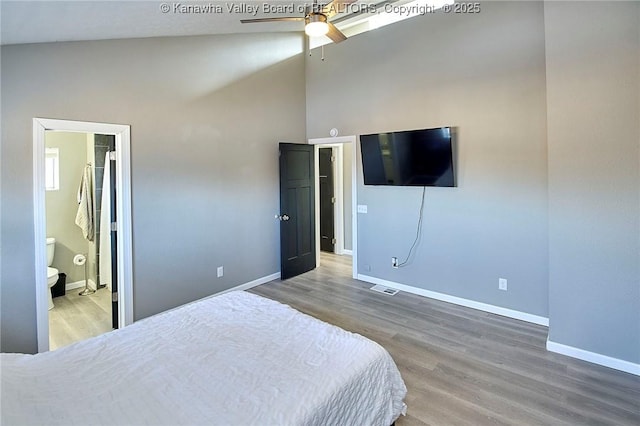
(329, 174)
(122, 249)
(336, 221)
(78, 211)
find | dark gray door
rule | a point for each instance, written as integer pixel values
(297, 209)
(327, 200)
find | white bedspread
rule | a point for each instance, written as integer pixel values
(234, 359)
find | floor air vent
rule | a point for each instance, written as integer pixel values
(385, 290)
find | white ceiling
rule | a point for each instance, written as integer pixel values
(27, 21)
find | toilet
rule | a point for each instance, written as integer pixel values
(52, 273)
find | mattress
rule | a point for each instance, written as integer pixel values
(233, 359)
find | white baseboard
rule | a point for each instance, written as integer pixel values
(253, 283)
(78, 284)
(595, 358)
(347, 252)
(522, 316)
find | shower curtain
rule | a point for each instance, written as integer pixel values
(105, 226)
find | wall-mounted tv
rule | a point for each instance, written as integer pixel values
(409, 158)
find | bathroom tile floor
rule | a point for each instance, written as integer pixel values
(76, 317)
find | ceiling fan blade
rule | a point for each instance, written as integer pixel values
(284, 18)
(335, 34)
(336, 6)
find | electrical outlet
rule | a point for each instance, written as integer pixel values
(394, 262)
(220, 271)
(502, 284)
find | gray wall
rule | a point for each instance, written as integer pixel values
(593, 92)
(484, 74)
(206, 115)
(62, 205)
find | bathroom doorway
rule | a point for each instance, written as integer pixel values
(74, 208)
(78, 214)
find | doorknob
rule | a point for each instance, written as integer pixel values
(283, 217)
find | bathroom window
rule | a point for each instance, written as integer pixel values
(52, 169)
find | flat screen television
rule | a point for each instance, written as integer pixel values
(409, 158)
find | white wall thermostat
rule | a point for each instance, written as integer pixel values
(333, 132)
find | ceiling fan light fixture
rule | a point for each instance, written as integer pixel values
(316, 25)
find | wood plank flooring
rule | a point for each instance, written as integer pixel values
(76, 318)
(463, 366)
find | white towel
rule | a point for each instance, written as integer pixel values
(105, 226)
(84, 216)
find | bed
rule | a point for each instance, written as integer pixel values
(232, 359)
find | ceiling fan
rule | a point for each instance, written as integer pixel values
(316, 19)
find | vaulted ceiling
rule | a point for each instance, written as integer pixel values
(28, 21)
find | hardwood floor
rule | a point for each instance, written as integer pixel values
(77, 317)
(463, 366)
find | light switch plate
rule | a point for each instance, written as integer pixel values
(362, 208)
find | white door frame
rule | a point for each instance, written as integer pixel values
(338, 142)
(122, 135)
